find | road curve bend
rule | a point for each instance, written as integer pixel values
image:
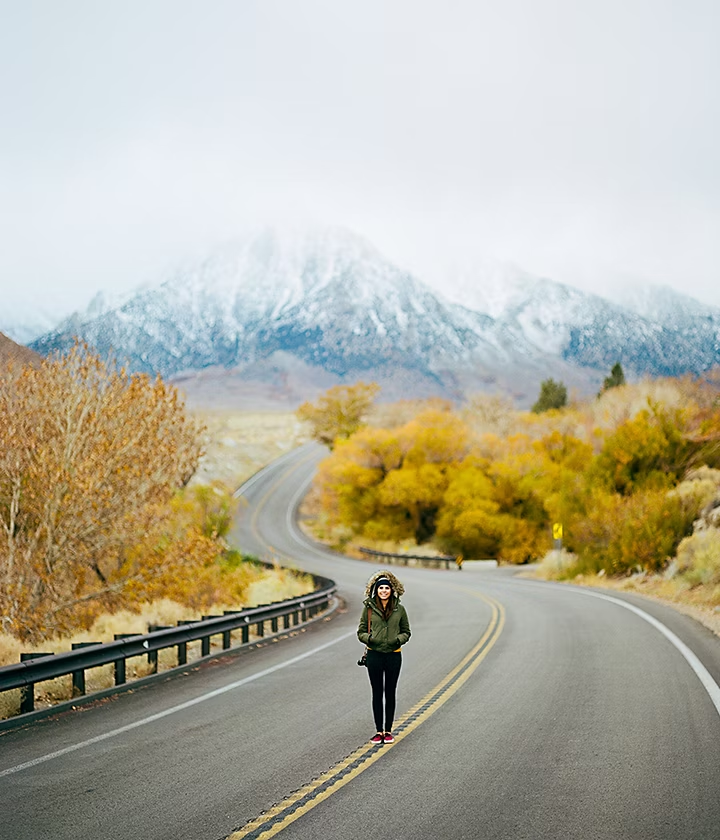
(526, 710)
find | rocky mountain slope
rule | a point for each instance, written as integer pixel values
(304, 311)
(13, 354)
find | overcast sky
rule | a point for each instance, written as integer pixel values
(579, 139)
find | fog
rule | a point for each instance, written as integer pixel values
(576, 140)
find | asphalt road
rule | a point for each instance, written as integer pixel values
(526, 710)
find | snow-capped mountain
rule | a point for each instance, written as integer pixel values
(661, 303)
(328, 306)
(652, 329)
(327, 297)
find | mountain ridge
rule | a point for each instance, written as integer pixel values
(334, 303)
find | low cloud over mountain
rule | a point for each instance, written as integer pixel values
(297, 313)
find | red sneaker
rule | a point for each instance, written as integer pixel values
(388, 739)
(377, 738)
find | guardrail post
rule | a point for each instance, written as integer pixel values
(26, 675)
(182, 646)
(78, 677)
(152, 656)
(27, 692)
(205, 641)
(227, 634)
(120, 670)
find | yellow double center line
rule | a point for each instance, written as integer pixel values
(294, 806)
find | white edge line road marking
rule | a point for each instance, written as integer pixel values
(179, 708)
(702, 673)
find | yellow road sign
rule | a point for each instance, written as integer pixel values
(557, 531)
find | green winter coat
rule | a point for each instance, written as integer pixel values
(385, 636)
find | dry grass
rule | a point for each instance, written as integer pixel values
(276, 585)
(238, 444)
(272, 585)
(702, 602)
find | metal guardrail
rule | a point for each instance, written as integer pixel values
(447, 559)
(41, 667)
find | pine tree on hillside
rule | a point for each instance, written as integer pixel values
(617, 377)
(552, 395)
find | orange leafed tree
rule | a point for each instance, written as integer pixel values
(339, 412)
(89, 458)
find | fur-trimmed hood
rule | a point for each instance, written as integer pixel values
(398, 588)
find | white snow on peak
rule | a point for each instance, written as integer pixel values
(659, 303)
(280, 268)
(313, 290)
(486, 286)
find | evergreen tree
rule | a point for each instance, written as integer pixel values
(552, 395)
(617, 377)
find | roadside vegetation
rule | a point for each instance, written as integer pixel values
(104, 525)
(632, 476)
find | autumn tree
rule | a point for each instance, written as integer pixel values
(389, 484)
(552, 395)
(339, 412)
(468, 522)
(89, 458)
(622, 533)
(493, 413)
(608, 471)
(650, 449)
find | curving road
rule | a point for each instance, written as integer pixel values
(527, 710)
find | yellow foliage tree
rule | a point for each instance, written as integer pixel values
(468, 522)
(89, 457)
(621, 533)
(651, 448)
(339, 412)
(487, 495)
(389, 484)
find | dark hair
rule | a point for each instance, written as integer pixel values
(388, 608)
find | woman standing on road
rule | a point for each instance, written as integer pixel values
(389, 629)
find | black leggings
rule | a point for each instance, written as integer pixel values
(383, 668)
